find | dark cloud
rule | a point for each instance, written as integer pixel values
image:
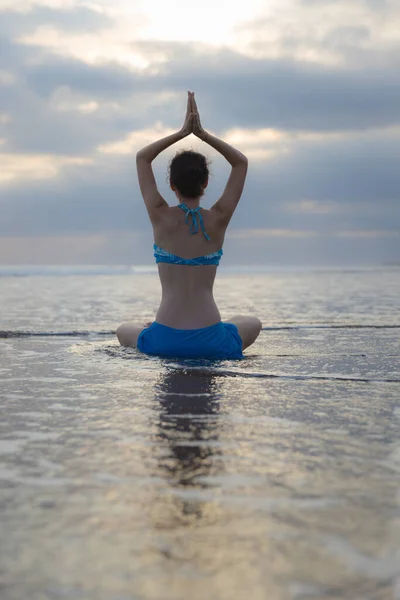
(233, 89)
(290, 95)
(358, 180)
(105, 81)
(355, 181)
(36, 125)
(93, 198)
(344, 170)
(240, 90)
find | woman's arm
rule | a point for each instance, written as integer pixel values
(228, 201)
(150, 152)
(151, 196)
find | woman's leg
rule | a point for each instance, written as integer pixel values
(248, 328)
(128, 333)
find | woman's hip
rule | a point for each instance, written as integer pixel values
(218, 341)
(188, 315)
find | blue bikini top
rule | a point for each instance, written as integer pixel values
(208, 259)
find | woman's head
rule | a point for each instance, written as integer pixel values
(188, 173)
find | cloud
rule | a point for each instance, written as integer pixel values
(104, 81)
(304, 29)
(39, 121)
(73, 19)
(27, 167)
(375, 5)
(318, 185)
(236, 89)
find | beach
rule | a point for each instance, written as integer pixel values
(127, 477)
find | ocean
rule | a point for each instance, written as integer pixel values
(127, 477)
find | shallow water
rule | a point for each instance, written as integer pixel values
(129, 477)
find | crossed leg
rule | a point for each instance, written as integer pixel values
(248, 327)
(128, 333)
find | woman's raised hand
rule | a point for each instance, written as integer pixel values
(187, 127)
(197, 127)
(192, 122)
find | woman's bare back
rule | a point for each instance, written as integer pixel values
(187, 292)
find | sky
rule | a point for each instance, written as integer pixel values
(309, 90)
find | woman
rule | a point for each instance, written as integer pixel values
(188, 247)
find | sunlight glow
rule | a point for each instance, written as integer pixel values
(255, 27)
(209, 22)
(92, 48)
(213, 23)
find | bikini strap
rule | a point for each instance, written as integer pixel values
(196, 217)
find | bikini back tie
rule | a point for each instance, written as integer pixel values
(196, 218)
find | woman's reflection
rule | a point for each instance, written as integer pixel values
(188, 424)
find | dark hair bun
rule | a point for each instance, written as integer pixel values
(188, 172)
